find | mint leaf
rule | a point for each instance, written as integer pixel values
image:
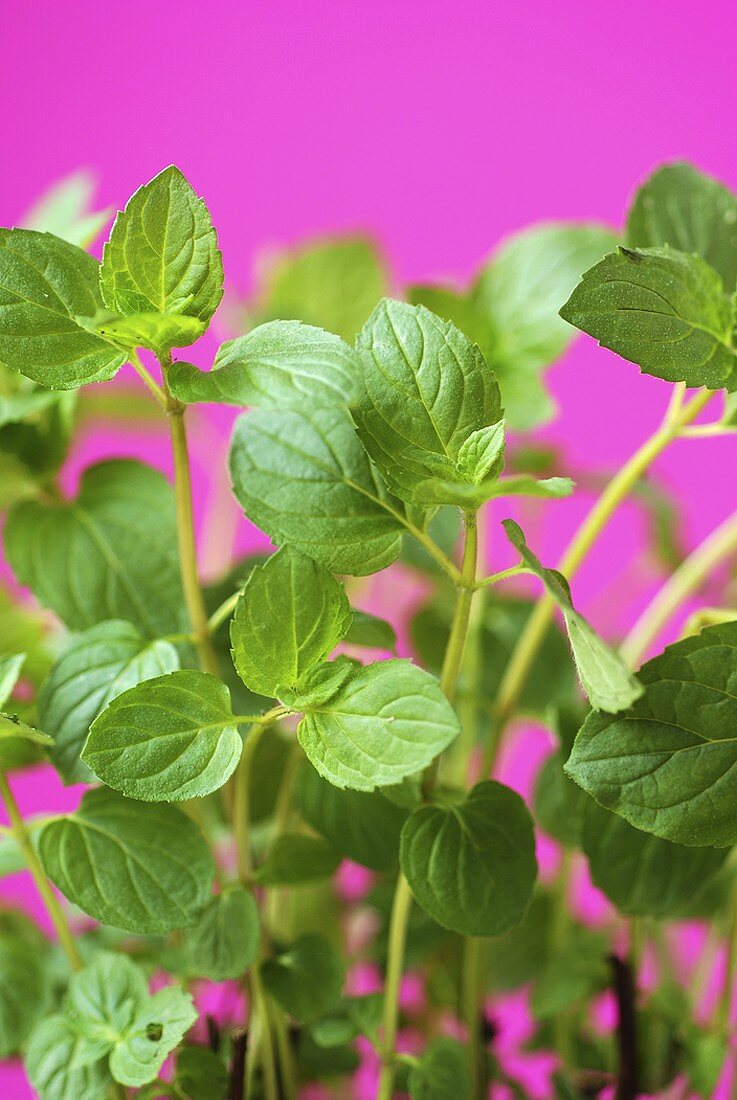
(91, 559)
(158, 1028)
(282, 364)
(387, 721)
(10, 670)
(370, 631)
(304, 478)
(157, 331)
(224, 942)
(201, 1074)
(471, 862)
(45, 284)
(62, 1064)
(666, 764)
(522, 288)
(166, 739)
(307, 979)
(162, 256)
(605, 677)
(688, 210)
(295, 858)
(364, 827)
(642, 874)
(441, 1072)
(24, 989)
(290, 616)
(144, 868)
(559, 804)
(662, 309)
(65, 210)
(428, 389)
(96, 666)
(103, 999)
(576, 970)
(20, 744)
(333, 283)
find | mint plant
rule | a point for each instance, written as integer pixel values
(240, 738)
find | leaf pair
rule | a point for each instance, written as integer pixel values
(362, 727)
(666, 300)
(111, 1029)
(66, 321)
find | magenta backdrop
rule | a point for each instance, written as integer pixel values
(438, 126)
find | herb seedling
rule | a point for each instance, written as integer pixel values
(235, 738)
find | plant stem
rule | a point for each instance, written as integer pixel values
(520, 663)
(681, 584)
(241, 800)
(401, 907)
(150, 382)
(261, 1011)
(465, 589)
(193, 596)
(56, 913)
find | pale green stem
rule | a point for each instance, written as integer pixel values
(193, 596)
(683, 582)
(33, 863)
(401, 907)
(616, 491)
(150, 382)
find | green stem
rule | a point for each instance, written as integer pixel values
(465, 589)
(241, 825)
(193, 596)
(261, 1012)
(33, 863)
(473, 973)
(616, 491)
(395, 963)
(143, 374)
(682, 583)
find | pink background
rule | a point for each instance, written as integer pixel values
(437, 126)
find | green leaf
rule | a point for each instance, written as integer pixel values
(428, 389)
(667, 764)
(291, 615)
(388, 720)
(166, 739)
(224, 943)
(471, 862)
(664, 310)
(64, 1065)
(704, 1056)
(524, 397)
(370, 631)
(441, 1072)
(64, 210)
(526, 282)
(558, 803)
(103, 999)
(10, 670)
(518, 956)
(304, 478)
(307, 979)
(45, 284)
(642, 874)
(159, 1026)
(688, 210)
(282, 364)
(139, 867)
(295, 858)
(96, 666)
(605, 677)
(364, 827)
(156, 331)
(24, 989)
(162, 256)
(20, 744)
(333, 283)
(201, 1074)
(93, 558)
